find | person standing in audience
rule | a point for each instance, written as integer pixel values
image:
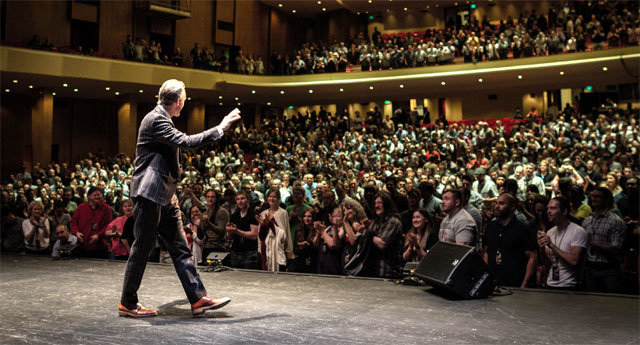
(564, 246)
(274, 237)
(213, 224)
(192, 230)
(605, 234)
(242, 230)
(420, 238)
(304, 250)
(89, 223)
(36, 229)
(508, 246)
(386, 256)
(328, 241)
(458, 226)
(117, 251)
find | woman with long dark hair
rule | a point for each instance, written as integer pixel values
(387, 240)
(304, 249)
(420, 238)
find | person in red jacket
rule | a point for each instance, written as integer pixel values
(89, 223)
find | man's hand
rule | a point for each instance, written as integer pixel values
(228, 120)
(79, 236)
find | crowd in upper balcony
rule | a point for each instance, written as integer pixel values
(565, 28)
(360, 194)
(571, 27)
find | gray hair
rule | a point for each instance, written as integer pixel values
(170, 92)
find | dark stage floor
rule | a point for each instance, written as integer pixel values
(75, 302)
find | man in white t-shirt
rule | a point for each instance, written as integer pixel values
(564, 245)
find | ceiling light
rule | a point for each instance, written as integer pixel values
(310, 91)
(253, 91)
(219, 97)
(31, 86)
(293, 11)
(107, 88)
(371, 87)
(324, 9)
(188, 98)
(117, 93)
(141, 91)
(436, 5)
(405, 8)
(561, 72)
(428, 6)
(319, 2)
(279, 5)
(443, 83)
(268, 103)
(238, 103)
(480, 80)
(237, 99)
(15, 81)
(65, 84)
(220, 103)
(53, 93)
(402, 86)
(370, 1)
(341, 90)
(7, 90)
(604, 68)
(282, 92)
(75, 90)
(455, 4)
(519, 76)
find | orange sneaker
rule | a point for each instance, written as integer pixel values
(206, 303)
(138, 311)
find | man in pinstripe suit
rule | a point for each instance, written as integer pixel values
(156, 209)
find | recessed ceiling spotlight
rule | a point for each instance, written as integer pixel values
(341, 90)
(7, 90)
(141, 91)
(237, 99)
(253, 91)
(117, 93)
(31, 86)
(455, 4)
(370, 1)
(405, 8)
(15, 81)
(219, 97)
(310, 91)
(220, 103)
(53, 93)
(519, 76)
(65, 84)
(402, 86)
(324, 9)
(319, 2)
(293, 11)
(561, 72)
(604, 68)
(428, 6)
(279, 5)
(75, 90)
(188, 98)
(282, 92)
(443, 83)
(371, 87)
(268, 103)
(239, 103)
(107, 88)
(480, 80)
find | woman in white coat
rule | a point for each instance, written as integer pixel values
(274, 238)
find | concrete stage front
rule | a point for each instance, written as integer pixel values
(75, 302)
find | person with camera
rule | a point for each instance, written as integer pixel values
(65, 245)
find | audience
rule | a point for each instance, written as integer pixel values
(328, 165)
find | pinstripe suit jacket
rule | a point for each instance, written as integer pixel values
(157, 164)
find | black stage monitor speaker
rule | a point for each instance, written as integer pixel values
(456, 269)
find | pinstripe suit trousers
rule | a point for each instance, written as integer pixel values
(152, 219)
